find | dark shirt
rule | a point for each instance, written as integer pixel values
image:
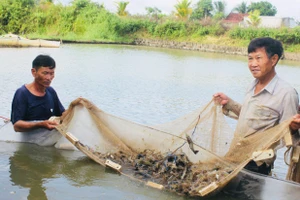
(28, 107)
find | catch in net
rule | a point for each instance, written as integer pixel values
(195, 155)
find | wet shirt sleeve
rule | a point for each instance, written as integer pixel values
(19, 106)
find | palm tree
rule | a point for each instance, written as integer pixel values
(121, 8)
(153, 12)
(241, 8)
(219, 9)
(219, 6)
(183, 9)
(254, 18)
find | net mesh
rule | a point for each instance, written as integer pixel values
(292, 158)
(196, 155)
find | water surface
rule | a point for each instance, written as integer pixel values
(145, 85)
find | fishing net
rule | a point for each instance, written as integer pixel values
(292, 158)
(196, 155)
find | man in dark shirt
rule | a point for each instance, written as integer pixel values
(34, 103)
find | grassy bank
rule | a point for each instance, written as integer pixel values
(83, 20)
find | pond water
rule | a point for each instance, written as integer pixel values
(142, 84)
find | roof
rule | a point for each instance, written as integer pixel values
(235, 17)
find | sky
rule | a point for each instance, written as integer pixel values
(285, 8)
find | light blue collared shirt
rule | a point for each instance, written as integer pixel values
(277, 102)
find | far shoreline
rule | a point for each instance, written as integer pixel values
(192, 46)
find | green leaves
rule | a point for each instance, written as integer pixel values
(14, 14)
(265, 8)
(241, 8)
(121, 8)
(285, 35)
(170, 29)
(254, 18)
(183, 10)
(203, 9)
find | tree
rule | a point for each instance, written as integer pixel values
(153, 12)
(121, 8)
(202, 9)
(241, 8)
(80, 4)
(14, 15)
(265, 8)
(183, 9)
(254, 18)
(44, 1)
(219, 8)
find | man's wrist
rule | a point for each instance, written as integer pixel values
(40, 124)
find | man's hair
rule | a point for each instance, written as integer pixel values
(43, 61)
(271, 46)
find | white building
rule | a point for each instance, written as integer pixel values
(272, 22)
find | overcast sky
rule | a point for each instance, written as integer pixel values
(285, 8)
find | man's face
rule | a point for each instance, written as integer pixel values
(43, 76)
(260, 65)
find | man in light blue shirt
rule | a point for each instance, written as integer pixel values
(268, 101)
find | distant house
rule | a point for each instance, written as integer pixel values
(234, 19)
(272, 22)
(289, 22)
(240, 19)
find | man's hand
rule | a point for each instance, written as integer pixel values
(49, 124)
(295, 124)
(220, 98)
(24, 126)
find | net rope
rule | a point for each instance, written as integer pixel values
(196, 154)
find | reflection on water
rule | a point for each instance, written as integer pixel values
(25, 172)
(32, 167)
(142, 84)
(48, 173)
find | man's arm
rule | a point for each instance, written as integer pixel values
(24, 126)
(233, 107)
(230, 107)
(295, 124)
(290, 104)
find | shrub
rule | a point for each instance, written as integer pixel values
(170, 29)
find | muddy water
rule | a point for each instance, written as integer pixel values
(145, 85)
